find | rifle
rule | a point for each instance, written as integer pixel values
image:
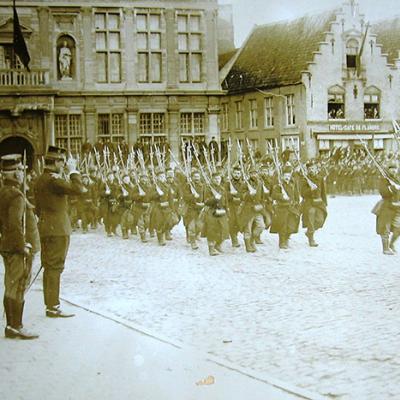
(158, 189)
(275, 160)
(250, 188)
(232, 189)
(185, 174)
(310, 183)
(205, 177)
(375, 161)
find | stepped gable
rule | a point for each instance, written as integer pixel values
(275, 54)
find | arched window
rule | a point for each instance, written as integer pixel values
(351, 53)
(372, 100)
(336, 109)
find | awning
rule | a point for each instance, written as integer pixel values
(347, 136)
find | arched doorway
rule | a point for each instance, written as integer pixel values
(17, 145)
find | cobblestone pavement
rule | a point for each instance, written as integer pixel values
(326, 319)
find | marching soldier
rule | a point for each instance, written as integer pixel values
(251, 213)
(234, 191)
(387, 211)
(142, 196)
(125, 202)
(314, 202)
(51, 193)
(176, 198)
(216, 228)
(19, 242)
(286, 216)
(86, 204)
(161, 212)
(193, 197)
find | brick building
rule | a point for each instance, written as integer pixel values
(307, 82)
(119, 70)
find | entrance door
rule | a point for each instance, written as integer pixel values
(17, 145)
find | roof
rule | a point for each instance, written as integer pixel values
(388, 35)
(277, 53)
(224, 58)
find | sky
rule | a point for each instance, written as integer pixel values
(246, 13)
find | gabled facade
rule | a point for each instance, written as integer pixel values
(303, 83)
(120, 70)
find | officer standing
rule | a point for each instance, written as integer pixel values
(51, 193)
(18, 243)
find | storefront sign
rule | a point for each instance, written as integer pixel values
(358, 127)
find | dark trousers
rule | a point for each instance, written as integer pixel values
(17, 275)
(54, 251)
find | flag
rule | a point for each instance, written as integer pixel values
(359, 55)
(19, 42)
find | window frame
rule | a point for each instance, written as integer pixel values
(253, 114)
(111, 135)
(152, 132)
(107, 50)
(269, 112)
(188, 53)
(149, 52)
(290, 110)
(65, 140)
(192, 120)
(239, 115)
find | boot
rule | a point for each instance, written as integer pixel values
(311, 240)
(393, 240)
(187, 237)
(161, 239)
(385, 244)
(143, 237)
(16, 329)
(168, 235)
(253, 245)
(56, 312)
(283, 242)
(125, 234)
(257, 239)
(193, 243)
(211, 249)
(249, 247)
(235, 242)
(218, 247)
(152, 234)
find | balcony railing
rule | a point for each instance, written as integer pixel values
(16, 77)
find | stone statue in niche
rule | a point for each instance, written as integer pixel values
(64, 61)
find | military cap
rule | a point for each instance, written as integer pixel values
(195, 171)
(236, 168)
(11, 162)
(392, 165)
(55, 153)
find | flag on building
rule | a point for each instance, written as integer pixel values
(19, 44)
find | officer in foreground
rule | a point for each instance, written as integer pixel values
(51, 193)
(18, 243)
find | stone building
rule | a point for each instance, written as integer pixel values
(316, 82)
(140, 70)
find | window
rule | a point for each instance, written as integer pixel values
(378, 144)
(371, 104)
(148, 28)
(68, 132)
(8, 58)
(351, 53)
(290, 110)
(192, 123)
(152, 124)
(336, 108)
(225, 117)
(253, 114)
(238, 115)
(189, 47)
(108, 47)
(110, 126)
(269, 112)
(288, 142)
